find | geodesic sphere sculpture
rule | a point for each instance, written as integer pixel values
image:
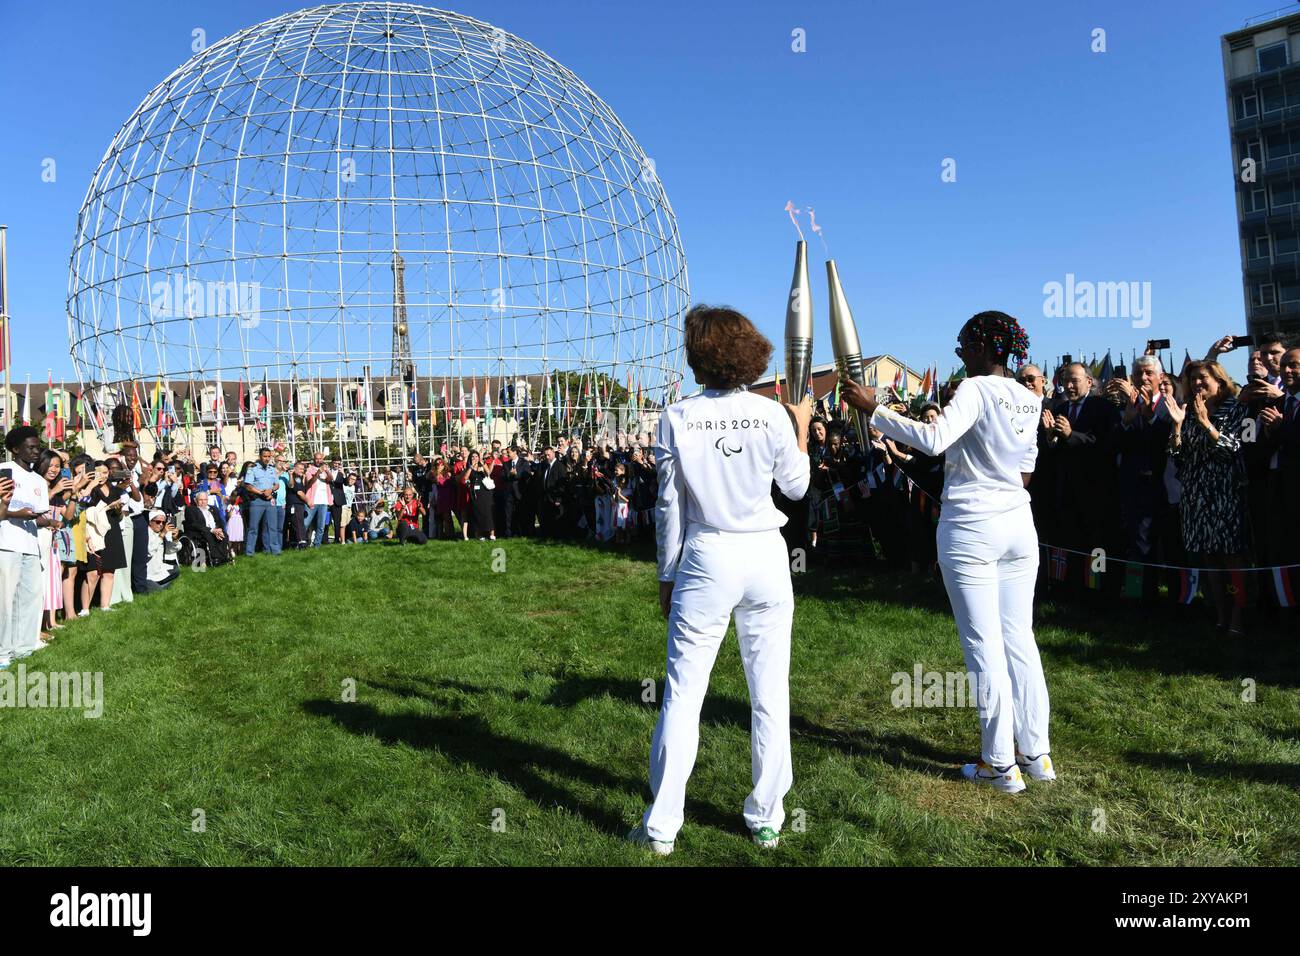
(382, 187)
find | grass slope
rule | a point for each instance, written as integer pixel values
(499, 719)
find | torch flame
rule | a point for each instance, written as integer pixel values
(789, 207)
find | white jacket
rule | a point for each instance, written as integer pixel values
(717, 454)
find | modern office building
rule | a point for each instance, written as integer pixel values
(1261, 66)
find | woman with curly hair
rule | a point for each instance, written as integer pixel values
(986, 542)
(720, 550)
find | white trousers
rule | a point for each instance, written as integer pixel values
(722, 572)
(989, 570)
(22, 601)
(122, 578)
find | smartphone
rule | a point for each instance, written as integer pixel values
(66, 473)
(1157, 344)
(1067, 359)
(1241, 340)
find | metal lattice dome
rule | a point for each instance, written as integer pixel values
(378, 185)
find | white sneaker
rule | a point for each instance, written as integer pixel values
(1036, 768)
(84, 612)
(657, 847)
(1007, 781)
(766, 837)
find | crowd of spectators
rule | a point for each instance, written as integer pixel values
(1144, 478)
(80, 535)
(1157, 474)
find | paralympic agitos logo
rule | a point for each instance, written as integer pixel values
(727, 451)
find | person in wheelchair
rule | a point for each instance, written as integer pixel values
(205, 530)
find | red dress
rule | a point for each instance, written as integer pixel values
(462, 489)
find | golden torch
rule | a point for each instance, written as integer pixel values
(799, 329)
(845, 345)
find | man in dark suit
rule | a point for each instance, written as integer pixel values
(1080, 444)
(551, 484)
(1280, 440)
(505, 498)
(529, 494)
(1142, 441)
(204, 528)
(337, 482)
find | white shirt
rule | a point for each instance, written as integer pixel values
(717, 455)
(30, 491)
(162, 560)
(990, 434)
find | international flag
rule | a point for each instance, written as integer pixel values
(1189, 581)
(264, 404)
(462, 402)
(1282, 585)
(487, 401)
(776, 384)
(136, 416)
(1237, 587)
(1059, 564)
(218, 408)
(27, 403)
(51, 412)
(241, 402)
(368, 399)
(1107, 370)
(1133, 580)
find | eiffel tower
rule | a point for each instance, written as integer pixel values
(403, 366)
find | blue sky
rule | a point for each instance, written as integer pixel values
(1113, 167)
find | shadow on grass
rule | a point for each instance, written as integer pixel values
(1101, 633)
(1286, 774)
(898, 750)
(469, 740)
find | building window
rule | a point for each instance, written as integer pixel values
(1272, 57)
(1247, 106)
(1289, 292)
(1286, 243)
(1284, 194)
(1273, 99)
(1257, 201)
(210, 437)
(394, 398)
(1259, 248)
(396, 433)
(1265, 294)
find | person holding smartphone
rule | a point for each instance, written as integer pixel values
(26, 511)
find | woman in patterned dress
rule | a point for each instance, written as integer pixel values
(1205, 445)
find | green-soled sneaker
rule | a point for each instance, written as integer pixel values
(767, 838)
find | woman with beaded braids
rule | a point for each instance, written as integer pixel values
(988, 549)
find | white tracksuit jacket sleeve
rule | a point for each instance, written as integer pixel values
(793, 469)
(958, 417)
(670, 522)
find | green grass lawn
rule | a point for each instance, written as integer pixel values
(498, 719)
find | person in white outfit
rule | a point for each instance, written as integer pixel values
(988, 548)
(720, 551)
